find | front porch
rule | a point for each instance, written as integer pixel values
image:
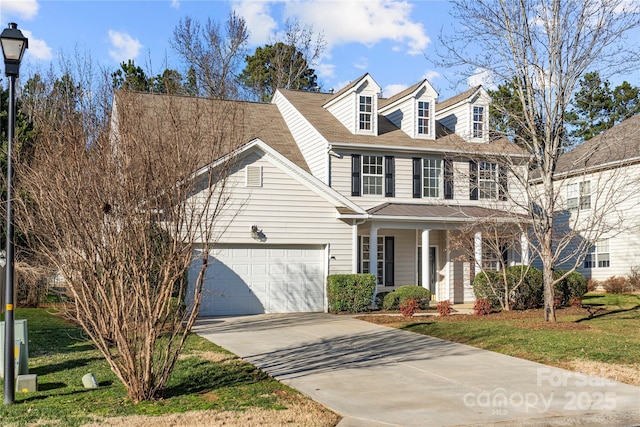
(447, 269)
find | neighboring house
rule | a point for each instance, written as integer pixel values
(328, 183)
(599, 186)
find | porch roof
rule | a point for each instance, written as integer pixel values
(453, 213)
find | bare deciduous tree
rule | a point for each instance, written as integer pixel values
(214, 54)
(544, 47)
(120, 203)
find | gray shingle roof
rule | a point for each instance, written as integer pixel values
(310, 105)
(238, 122)
(455, 213)
(619, 144)
(408, 91)
(456, 98)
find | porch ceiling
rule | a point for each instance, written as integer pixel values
(442, 212)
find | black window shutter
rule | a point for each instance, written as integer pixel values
(355, 174)
(502, 183)
(417, 177)
(388, 261)
(448, 179)
(473, 180)
(389, 177)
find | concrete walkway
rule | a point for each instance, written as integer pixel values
(377, 376)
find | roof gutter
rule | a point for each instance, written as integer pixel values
(371, 147)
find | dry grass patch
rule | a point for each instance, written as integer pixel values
(211, 356)
(300, 413)
(628, 374)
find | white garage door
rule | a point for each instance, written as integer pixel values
(249, 279)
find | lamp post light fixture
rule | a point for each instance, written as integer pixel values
(13, 47)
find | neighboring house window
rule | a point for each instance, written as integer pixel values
(385, 258)
(432, 178)
(579, 195)
(487, 181)
(371, 175)
(423, 118)
(599, 256)
(478, 122)
(366, 109)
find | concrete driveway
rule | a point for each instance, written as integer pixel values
(377, 376)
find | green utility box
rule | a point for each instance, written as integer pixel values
(21, 347)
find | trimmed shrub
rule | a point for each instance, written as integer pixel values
(593, 285)
(615, 285)
(633, 280)
(350, 292)
(575, 302)
(408, 307)
(393, 300)
(572, 286)
(526, 295)
(482, 307)
(380, 298)
(444, 308)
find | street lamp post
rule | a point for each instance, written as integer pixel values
(13, 47)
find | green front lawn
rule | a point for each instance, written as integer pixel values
(608, 331)
(206, 378)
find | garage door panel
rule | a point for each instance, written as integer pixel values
(264, 279)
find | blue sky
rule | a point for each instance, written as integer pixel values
(392, 40)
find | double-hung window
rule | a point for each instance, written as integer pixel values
(432, 178)
(579, 195)
(599, 256)
(423, 118)
(366, 111)
(478, 122)
(372, 175)
(487, 180)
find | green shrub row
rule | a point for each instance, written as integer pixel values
(529, 294)
(350, 292)
(393, 300)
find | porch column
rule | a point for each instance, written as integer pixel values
(426, 274)
(477, 250)
(524, 246)
(354, 248)
(373, 260)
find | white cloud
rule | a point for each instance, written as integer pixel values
(431, 75)
(24, 9)
(124, 46)
(481, 77)
(367, 22)
(391, 90)
(258, 18)
(362, 63)
(175, 4)
(325, 70)
(37, 48)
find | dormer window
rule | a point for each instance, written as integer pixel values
(423, 118)
(366, 108)
(478, 122)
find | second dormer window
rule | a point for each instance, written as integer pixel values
(423, 118)
(478, 122)
(366, 109)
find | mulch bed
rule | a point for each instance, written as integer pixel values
(525, 315)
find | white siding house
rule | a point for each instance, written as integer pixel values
(350, 182)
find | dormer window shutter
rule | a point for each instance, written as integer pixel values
(417, 177)
(389, 176)
(473, 180)
(356, 164)
(502, 183)
(448, 179)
